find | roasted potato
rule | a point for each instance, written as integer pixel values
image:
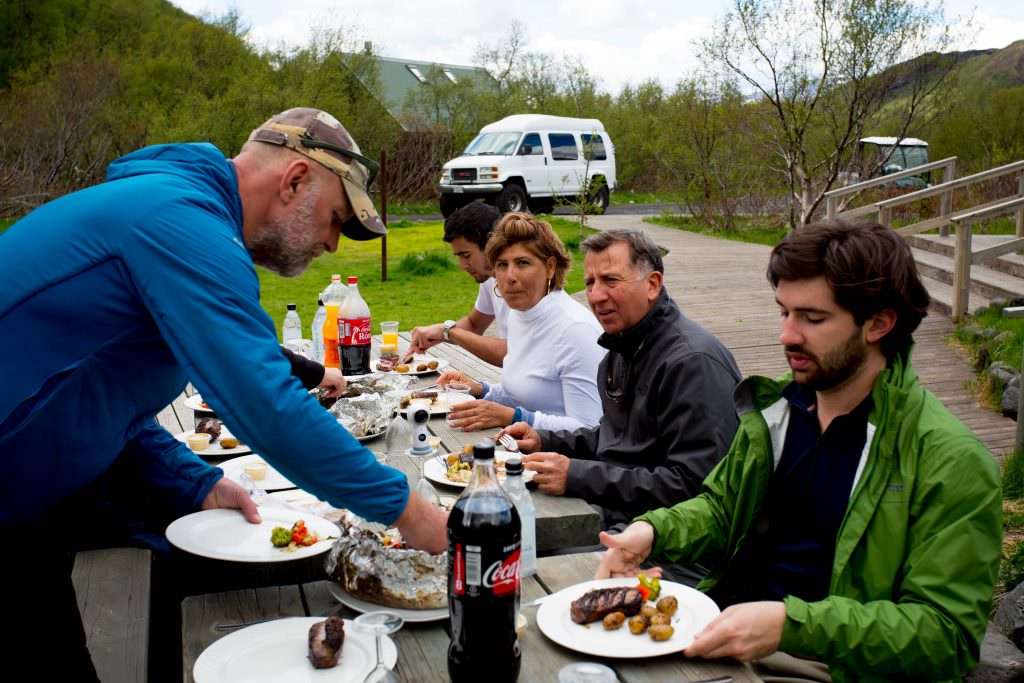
(660, 618)
(648, 611)
(614, 621)
(401, 368)
(422, 367)
(660, 632)
(432, 364)
(637, 624)
(668, 605)
(228, 442)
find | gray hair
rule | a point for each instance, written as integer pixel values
(643, 252)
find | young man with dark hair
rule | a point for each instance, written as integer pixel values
(468, 230)
(858, 519)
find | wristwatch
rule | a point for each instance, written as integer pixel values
(448, 325)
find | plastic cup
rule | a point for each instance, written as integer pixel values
(454, 394)
(389, 333)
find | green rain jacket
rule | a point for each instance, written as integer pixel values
(917, 551)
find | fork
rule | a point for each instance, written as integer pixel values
(508, 442)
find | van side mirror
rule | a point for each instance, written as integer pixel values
(525, 150)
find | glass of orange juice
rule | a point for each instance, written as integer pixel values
(389, 333)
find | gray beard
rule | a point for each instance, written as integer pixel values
(281, 246)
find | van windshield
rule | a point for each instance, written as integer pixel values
(492, 143)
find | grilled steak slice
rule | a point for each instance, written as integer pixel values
(595, 604)
(325, 641)
(209, 425)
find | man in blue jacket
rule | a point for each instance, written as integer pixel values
(114, 297)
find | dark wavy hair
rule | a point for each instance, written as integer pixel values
(536, 235)
(473, 222)
(868, 266)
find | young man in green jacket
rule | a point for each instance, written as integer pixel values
(855, 521)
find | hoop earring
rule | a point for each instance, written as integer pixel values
(496, 292)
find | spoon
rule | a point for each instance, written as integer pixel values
(380, 624)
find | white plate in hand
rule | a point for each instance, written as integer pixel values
(214, 450)
(695, 611)
(226, 535)
(277, 651)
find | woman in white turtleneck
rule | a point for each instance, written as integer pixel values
(549, 374)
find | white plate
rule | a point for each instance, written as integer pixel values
(225, 535)
(368, 437)
(215, 450)
(277, 651)
(438, 407)
(436, 470)
(195, 402)
(695, 611)
(416, 360)
(410, 615)
(273, 481)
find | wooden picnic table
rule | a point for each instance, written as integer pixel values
(422, 647)
(562, 521)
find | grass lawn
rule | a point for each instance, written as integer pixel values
(424, 286)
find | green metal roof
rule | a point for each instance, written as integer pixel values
(398, 78)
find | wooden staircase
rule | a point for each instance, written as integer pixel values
(962, 271)
(999, 278)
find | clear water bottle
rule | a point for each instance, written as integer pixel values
(515, 488)
(292, 325)
(317, 330)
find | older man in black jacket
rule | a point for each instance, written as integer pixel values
(666, 388)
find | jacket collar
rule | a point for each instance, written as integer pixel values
(631, 341)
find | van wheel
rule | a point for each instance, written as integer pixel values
(512, 198)
(599, 198)
(451, 203)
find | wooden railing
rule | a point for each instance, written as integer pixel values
(963, 220)
(944, 219)
(964, 257)
(833, 198)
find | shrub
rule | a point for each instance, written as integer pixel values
(1013, 476)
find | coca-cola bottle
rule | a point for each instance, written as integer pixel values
(483, 578)
(354, 332)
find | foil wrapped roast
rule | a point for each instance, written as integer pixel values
(370, 569)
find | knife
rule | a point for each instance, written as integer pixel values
(534, 603)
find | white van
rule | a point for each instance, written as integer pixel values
(530, 160)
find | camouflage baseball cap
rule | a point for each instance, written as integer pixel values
(321, 137)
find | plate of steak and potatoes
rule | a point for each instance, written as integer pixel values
(573, 617)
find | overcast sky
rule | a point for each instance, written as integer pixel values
(620, 42)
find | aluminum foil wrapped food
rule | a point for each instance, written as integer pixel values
(366, 414)
(375, 383)
(371, 564)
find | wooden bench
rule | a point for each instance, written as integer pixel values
(113, 590)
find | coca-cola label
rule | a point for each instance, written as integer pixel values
(354, 331)
(502, 577)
